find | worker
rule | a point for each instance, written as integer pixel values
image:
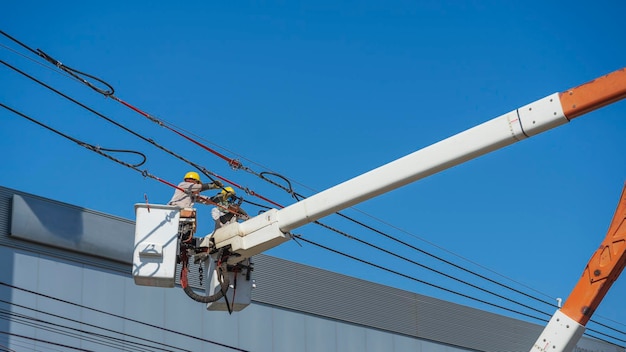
(228, 210)
(188, 190)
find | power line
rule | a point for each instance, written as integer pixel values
(443, 288)
(120, 317)
(335, 230)
(317, 222)
(290, 190)
(91, 325)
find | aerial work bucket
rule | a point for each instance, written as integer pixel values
(156, 244)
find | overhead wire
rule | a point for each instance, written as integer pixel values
(231, 162)
(298, 197)
(82, 322)
(202, 169)
(45, 341)
(343, 233)
(236, 164)
(91, 147)
(102, 151)
(134, 167)
(398, 273)
(151, 141)
(69, 332)
(183, 334)
(295, 194)
(98, 150)
(72, 72)
(109, 93)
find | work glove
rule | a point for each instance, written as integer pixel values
(217, 184)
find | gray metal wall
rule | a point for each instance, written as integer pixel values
(75, 264)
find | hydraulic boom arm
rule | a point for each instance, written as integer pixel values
(272, 227)
(568, 324)
(155, 255)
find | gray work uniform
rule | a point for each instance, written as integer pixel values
(187, 199)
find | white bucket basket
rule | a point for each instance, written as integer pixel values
(156, 245)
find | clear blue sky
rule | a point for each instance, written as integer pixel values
(320, 92)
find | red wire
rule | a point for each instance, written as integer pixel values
(232, 162)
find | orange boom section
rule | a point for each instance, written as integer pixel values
(603, 269)
(594, 94)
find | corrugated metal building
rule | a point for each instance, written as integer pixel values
(66, 285)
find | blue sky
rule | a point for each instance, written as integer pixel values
(320, 92)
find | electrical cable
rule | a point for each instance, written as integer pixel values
(232, 162)
(82, 335)
(151, 141)
(121, 317)
(441, 287)
(94, 326)
(444, 274)
(65, 331)
(317, 222)
(45, 341)
(289, 189)
(236, 164)
(202, 169)
(343, 233)
(72, 72)
(419, 280)
(101, 151)
(91, 147)
(340, 232)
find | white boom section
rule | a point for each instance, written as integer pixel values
(272, 228)
(560, 335)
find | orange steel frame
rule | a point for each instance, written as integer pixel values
(603, 269)
(609, 260)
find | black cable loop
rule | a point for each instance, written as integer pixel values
(72, 72)
(262, 174)
(224, 282)
(77, 74)
(127, 151)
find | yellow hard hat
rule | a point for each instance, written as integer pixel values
(228, 190)
(193, 175)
